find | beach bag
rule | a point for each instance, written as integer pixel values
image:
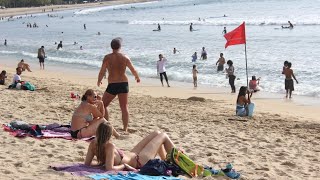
(157, 167)
(180, 159)
(154, 167)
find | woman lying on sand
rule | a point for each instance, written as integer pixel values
(115, 159)
(244, 105)
(88, 116)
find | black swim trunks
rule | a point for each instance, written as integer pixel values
(288, 83)
(41, 59)
(117, 88)
(220, 68)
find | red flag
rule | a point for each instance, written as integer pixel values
(237, 36)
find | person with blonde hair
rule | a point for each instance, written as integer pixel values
(88, 116)
(112, 158)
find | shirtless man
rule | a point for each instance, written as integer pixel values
(288, 72)
(116, 64)
(41, 56)
(24, 65)
(221, 61)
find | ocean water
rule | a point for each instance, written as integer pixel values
(268, 46)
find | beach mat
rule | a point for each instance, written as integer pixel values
(131, 176)
(83, 170)
(57, 133)
(97, 173)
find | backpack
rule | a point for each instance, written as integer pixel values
(180, 159)
(157, 167)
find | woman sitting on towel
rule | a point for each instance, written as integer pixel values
(244, 105)
(115, 159)
(88, 115)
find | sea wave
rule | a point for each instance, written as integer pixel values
(225, 22)
(98, 9)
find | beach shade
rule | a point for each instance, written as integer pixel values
(235, 37)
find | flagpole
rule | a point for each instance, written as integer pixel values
(245, 52)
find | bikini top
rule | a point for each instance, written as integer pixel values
(87, 117)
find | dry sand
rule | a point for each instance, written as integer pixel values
(271, 145)
(31, 10)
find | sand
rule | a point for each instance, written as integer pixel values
(48, 9)
(274, 144)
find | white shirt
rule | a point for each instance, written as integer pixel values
(161, 65)
(16, 78)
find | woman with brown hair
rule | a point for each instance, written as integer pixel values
(88, 116)
(115, 159)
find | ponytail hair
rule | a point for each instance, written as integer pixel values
(89, 92)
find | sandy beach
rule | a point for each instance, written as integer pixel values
(48, 9)
(280, 142)
(274, 144)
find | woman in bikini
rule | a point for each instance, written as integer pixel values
(115, 159)
(116, 64)
(88, 115)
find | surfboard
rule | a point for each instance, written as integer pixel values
(196, 30)
(156, 30)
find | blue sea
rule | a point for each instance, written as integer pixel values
(268, 45)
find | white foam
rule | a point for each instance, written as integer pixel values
(97, 9)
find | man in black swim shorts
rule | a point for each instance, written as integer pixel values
(115, 64)
(41, 56)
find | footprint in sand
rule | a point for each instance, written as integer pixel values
(7, 172)
(80, 147)
(18, 164)
(290, 164)
(81, 153)
(50, 155)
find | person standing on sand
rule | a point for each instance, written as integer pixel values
(116, 64)
(231, 76)
(84, 26)
(161, 69)
(288, 82)
(221, 61)
(194, 73)
(41, 57)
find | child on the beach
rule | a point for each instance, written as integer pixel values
(194, 73)
(254, 85)
(288, 83)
